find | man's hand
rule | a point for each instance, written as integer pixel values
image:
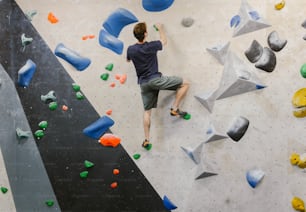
(162, 35)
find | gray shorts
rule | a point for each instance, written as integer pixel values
(150, 90)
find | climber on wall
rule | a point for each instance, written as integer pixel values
(143, 54)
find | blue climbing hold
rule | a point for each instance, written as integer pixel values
(99, 127)
(260, 87)
(168, 204)
(111, 42)
(76, 60)
(156, 5)
(254, 15)
(235, 21)
(118, 20)
(254, 177)
(26, 73)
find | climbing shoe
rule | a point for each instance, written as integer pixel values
(146, 144)
(177, 112)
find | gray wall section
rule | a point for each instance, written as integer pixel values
(27, 176)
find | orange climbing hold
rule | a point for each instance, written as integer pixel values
(123, 78)
(117, 76)
(109, 112)
(52, 18)
(85, 37)
(91, 36)
(112, 85)
(114, 185)
(116, 171)
(109, 139)
(64, 108)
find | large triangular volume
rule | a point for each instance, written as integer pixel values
(250, 20)
(236, 78)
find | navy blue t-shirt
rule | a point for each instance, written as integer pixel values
(144, 57)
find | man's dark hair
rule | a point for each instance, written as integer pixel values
(139, 31)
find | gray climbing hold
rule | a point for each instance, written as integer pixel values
(213, 134)
(254, 52)
(194, 154)
(187, 22)
(275, 43)
(207, 100)
(304, 24)
(219, 52)
(267, 61)
(22, 134)
(30, 14)
(49, 97)
(25, 41)
(203, 171)
(238, 128)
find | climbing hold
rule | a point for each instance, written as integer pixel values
(85, 37)
(30, 14)
(117, 76)
(275, 43)
(79, 95)
(26, 73)
(99, 127)
(254, 52)
(52, 18)
(280, 5)
(298, 160)
(114, 185)
(235, 21)
(49, 203)
(304, 23)
(109, 139)
(298, 204)
(52, 105)
(254, 15)
(76, 87)
(111, 42)
(267, 61)
(25, 41)
(84, 174)
(109, 67)
(104, 76)
(72, 57)
(39, 134)
(64, 107)
(155, 27)
(168, 204)
(136, 156)
(156, 5)
(109, 112)
(303, 70)
(49, 97)
(43, 125)
(116, 171)
(299, 103)
(219, 52)
(122, 78)
(118, 20)
(4, 190)
(187, 116)
(148, 147)
(254, 177)
(187, 22)
(22, 134)
(88, 164)
(238, 128)
(112, 85)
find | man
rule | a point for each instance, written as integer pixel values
(143, 54)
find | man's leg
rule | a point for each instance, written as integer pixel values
(180, 94)
(147, 123)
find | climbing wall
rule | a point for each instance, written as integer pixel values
(272, 133)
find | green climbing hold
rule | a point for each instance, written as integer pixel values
(303, 70)
(84, 174)
(39, 134)
(49, 203)
(187, 116)
(148, 147)
(88, 164)
(104, 76)
(52, 105)
(43, 125)
(76, 87)
(79, 95)
(136, 156)
(109, 67)
(4, 190)
(22, 134)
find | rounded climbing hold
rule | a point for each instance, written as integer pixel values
(84, 174)
(303, 70)
(52, 105)
(79, 95)
(43, 125)
(49, 203)
(109, 67)
(88, 164)
(39, 134)
(136, 156)
(116, 171)
(114, 185)
(104, 76)
(4, 190)
(76, 87)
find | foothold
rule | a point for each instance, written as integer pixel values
(25, 41)
(254, 15)
(88, 164)
(148, 146)
(219, 52)
(136, 156)
(304, 24)
(275, 43)
(116, 171)
(298, 160)
(109, 112)
(238, 128)
(26, 73)
(280, 5)
(104, 76)
(298, 204)
(30, 14)
(194, 154)
(64, 107)
(168, 204)
(112, 85)
(156, 5)
(254, 52)
(39, 134)
(187, 116)
(4, 190)
(122, 78)
(84, 174)
(109, 67)
(114, 185)
(109, 139)
(303, 70)
(111, 42)
(213, 134)
(79, 95)
(43, 125)
(77, 61)
(22, 134)
(49, 203)
(76, 87)
(254, 177)
(235, 21)
(49, 97)
(53, 106)
(299, 103)
(85, 37)
(187, 22)
(267, 61)
(118, 20)
(99, 127)
(52, 18)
